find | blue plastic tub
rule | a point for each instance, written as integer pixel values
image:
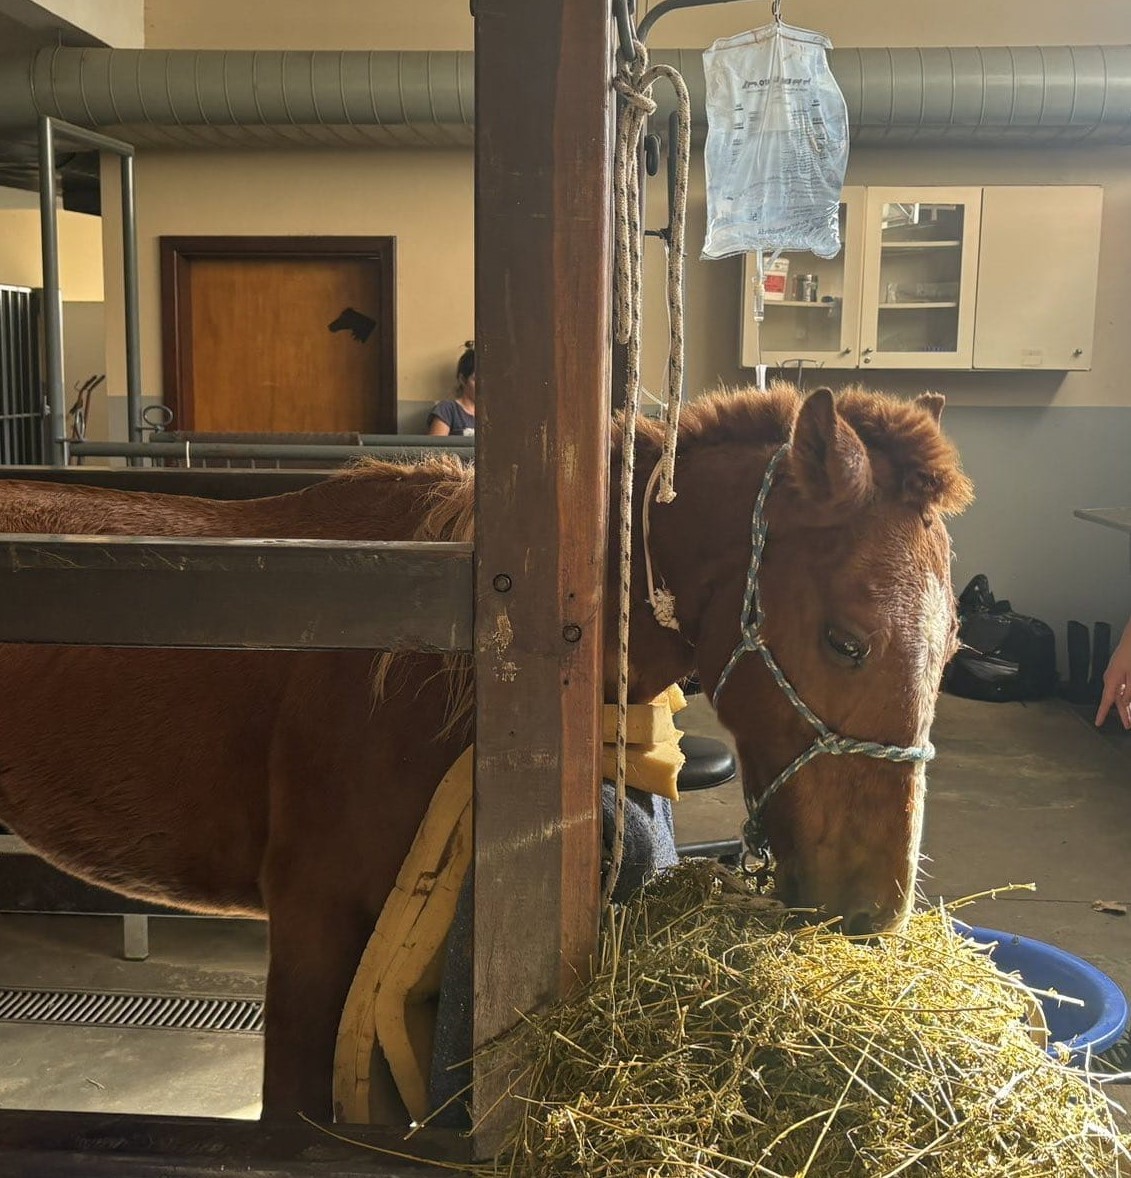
(1096, 1025)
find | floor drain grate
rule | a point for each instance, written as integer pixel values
(85, 1008)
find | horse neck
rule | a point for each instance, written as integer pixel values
(367, 505)
(697, 540)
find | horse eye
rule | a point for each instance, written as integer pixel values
(847, 645)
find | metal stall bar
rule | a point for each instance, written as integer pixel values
(202, 481)
(236, 594)
(419, 441)
(404, 448)
(49, 129)
(543, 195)
(9, 377)
(21, 414)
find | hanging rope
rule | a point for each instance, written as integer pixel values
(634, 83)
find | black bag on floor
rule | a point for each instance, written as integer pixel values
(1004, 655)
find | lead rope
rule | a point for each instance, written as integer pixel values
(634, 81)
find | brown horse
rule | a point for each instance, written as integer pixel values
(268, 783)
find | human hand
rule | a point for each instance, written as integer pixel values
(1117, 682)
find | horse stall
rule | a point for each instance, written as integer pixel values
(372, 703)
(527, 602)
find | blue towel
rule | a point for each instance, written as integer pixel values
(649, 847)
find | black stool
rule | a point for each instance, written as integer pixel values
(708, 763)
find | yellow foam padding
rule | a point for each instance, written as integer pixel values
(653, 756)
(385, 1037)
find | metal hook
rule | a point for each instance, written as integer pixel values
(626, 29)
(775, 9)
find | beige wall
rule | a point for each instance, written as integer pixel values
(119, 23)
(422, 198)
(713, 288)
(895, 23)
(301, 24)
(446, 24)
(425, 198)
(80, 253)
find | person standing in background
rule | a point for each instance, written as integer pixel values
(457, 415)
(1117, 682)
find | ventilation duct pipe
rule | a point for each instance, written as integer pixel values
(218, 98)
(175, 98)
(1017, 96)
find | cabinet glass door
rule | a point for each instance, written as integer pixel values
(812, 318)
(920, 275)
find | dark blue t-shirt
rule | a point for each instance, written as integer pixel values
(454, 416)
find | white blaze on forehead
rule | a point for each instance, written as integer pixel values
(931, 650)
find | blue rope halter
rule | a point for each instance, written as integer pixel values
(827, 741)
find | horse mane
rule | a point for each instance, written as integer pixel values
(921, 465)
(446, 506)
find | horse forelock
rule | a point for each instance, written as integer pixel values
(919, 464)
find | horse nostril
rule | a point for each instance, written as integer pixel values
(860, 924)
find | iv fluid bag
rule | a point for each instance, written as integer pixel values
(777, 144)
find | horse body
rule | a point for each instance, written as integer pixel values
(275, 783)
(232, 782)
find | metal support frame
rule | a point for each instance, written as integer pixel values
(205, 482)
(51, 129)
(392, 447)
(135, 937)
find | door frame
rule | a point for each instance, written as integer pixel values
(177, 256)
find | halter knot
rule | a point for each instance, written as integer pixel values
(835, 746)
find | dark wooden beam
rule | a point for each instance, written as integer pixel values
(28, 884)
(543, 156)
(115, 1145)
(235, 594)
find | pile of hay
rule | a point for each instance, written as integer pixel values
(717, 1039)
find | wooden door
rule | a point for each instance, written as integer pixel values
(279, 335)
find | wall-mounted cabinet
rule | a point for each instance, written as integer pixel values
(940, 278)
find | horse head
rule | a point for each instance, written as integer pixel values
(810, 568)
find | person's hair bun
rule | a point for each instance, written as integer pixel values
(469, 344)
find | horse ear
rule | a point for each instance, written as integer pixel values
(828, 460)
(933, 403)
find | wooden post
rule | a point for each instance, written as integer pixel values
(543, 197)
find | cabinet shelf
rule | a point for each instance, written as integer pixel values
(914, 306)
(920, 245)
(802, 303)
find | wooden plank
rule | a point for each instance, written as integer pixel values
(235, 594)
(543, 172)
(89, 1145)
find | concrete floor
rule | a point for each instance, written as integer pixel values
(1018, 794)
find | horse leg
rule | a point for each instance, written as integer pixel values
(316, 943)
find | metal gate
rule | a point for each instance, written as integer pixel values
(21, 397)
